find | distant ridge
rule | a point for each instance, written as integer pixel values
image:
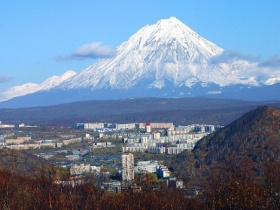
(177, 110)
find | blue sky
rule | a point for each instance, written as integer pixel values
(39, 39)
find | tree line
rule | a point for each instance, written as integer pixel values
(234, 185)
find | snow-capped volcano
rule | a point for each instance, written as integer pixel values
(168, 50)
(164, 59)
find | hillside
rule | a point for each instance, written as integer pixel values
(255, 135)
(252, 139)
(23, 163)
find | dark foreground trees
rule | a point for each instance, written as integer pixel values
(18, 192)
(241, 184)
(234, 185)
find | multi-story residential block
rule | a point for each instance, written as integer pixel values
(146, 167)
(18, 140)
(79, 169)
(90, 126)
(156, 150)
(125, 126)
(133, 149)
(72, 140)
(156, 135)
(148, 128)
(103, 144)
(127, 167)
(159, 125)
(155, 125)
(93, 126)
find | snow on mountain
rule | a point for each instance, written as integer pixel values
(28, 88)
(168, 50)
(159, 55)
(56, 80)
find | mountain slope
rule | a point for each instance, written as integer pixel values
(255, 135)
(23, 163)
(166, 59)
(247, 144)
(161, 51)
(29, 88)
(166, 51)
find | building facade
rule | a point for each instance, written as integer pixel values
(127, 167)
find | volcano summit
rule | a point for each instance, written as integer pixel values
(167, 59)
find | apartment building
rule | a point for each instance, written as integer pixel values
(127, 167)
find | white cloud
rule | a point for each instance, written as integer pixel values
(90, 50)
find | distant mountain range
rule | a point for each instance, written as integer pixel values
(181, 111)
(167, 59)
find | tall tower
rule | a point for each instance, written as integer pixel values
(127, 167)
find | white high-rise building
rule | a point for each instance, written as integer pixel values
(127, 167)
(148, 128)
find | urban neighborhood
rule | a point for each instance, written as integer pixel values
(112, 153)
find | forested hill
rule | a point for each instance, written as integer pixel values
(238, 166)
(23, 163)
(253, 139)
(256, 135)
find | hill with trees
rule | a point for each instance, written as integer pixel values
(237, 166)
(22, 163)
(255, 135)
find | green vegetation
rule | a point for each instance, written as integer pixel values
(107, 151)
